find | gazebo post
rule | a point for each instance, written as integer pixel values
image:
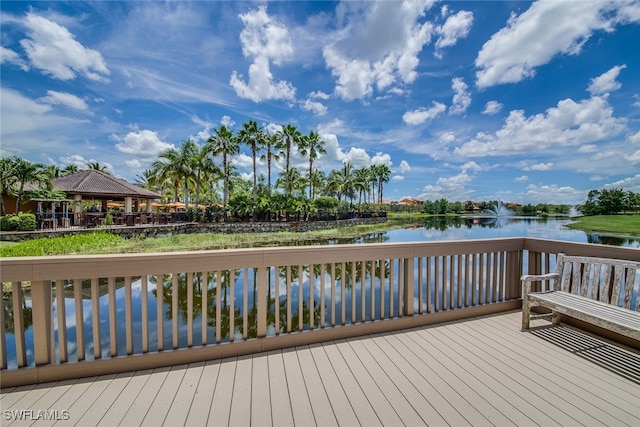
(127, 204)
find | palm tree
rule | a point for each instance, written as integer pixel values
(223, 143)
(318, 180)
(270, 144)
(24, 172)
(312, 145)
(97, 166)
(382, 173)
(288, 137)
(69, 169)
(251, 135)
(178, 165)
(361, 182)
(204, 169)
(7, 179)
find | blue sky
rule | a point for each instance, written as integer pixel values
(519, 101)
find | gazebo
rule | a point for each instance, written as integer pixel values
(96, 185)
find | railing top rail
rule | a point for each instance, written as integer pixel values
(85, 266)
(581, 249)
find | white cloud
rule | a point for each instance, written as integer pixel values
(631, 183)
(635, 158)
(540, 167)
(358, 157)
(397, 178)
(315, 107)
(543, 31)
(456, 27)
(243, 161)
(588, 148)
(381, 159)
(570, 123)
(54, 50)
(447, 138)
(11, 57)
(263, 39)
(492, 107)
(377, 44)
(423, 114)
(634, 138)
(226, 121)
(606, 83)
(451, 188)
(404, 167)
(461, 98)
(66, 99)
(474, 167)
(521, 178)
(554, 194)
(144, 144)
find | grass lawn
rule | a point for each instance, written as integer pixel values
(620, 224)
(105, 243)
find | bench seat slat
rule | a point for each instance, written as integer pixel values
(620, 320)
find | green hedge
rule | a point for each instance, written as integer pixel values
(22, 222)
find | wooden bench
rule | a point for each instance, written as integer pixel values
(599, 291)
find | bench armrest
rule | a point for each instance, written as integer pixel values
(528, 278)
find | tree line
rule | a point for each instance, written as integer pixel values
(192, 174)
(609, 201)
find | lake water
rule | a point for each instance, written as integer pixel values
(433, 229)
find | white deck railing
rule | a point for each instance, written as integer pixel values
(214, 304)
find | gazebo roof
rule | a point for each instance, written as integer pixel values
(98, 184)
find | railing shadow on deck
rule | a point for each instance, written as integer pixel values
(620, 361)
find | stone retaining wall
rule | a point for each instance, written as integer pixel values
(194, 227)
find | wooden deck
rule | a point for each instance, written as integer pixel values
(483, 371)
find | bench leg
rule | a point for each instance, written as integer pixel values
(526, 313)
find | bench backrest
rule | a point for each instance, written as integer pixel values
(612, 281)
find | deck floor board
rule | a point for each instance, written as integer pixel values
(481, 371)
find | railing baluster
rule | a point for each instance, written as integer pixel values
(429, 284)
(333, 294)
(174, 308)
(363, 287)
(353, 292)
(78, 302)
(189, 285)
(322, 297)
(262, 301)
(276, 298)
(400, 287)
(460, 281)
(420, 283)
(18, 323)
(144, 307)
(300, 298)
(219, 287)
(381, 281)
(61, 321)
(160, 310)
(452, 276)
(312, 291)
(128, 312)
(204, 294)
(95, 319)
(245, 302)
(232, 307)
(245, 310)
(437, 283)
(343, 293)
(113, 322)
(392, 287)
(288, 283)
(409, 287)
(372, 291)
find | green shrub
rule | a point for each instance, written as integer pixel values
(95, 242)
(4, 223)
(14, 222)
(26, 222)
